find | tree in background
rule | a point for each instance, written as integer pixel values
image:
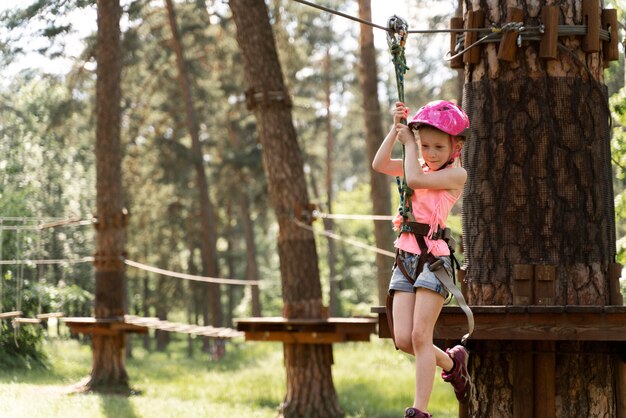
(301, 287)
(109, 351)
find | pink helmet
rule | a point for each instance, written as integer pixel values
(443, 115)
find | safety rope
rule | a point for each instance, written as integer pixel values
(397, 32)
(396, 39)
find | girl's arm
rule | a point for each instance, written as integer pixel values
(448, 179)
(383, 163)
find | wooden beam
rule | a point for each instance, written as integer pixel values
(12, 314)
(305, 337)
(26, 320)
(522, 364)
(545, 379)
(307, 331)
(537, 323)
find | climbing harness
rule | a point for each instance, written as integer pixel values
(397, 31)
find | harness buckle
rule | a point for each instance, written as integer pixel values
(436, 265)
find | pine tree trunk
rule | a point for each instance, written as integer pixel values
(108, 371)
(207, 212)
(310, 389)
(379, 183)
(539, 198)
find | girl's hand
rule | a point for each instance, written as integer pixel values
(405, 135)
(400, 112)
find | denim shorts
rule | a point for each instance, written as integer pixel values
(426, 280)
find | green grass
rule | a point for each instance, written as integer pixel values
(372, 380)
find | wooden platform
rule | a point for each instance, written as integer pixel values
(137, 324)
(101, 326)
(536, 323)
(307, 331)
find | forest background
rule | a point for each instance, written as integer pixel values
(47, 169)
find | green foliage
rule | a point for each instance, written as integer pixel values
(20, 348)
(618, 152)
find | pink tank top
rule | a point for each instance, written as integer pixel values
(430, 207)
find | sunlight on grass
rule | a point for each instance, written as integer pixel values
(371, 380)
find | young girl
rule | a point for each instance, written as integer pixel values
(418, 295)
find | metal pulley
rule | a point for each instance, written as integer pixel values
(397, 26)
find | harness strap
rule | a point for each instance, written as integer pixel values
(420, 230)
(446, 280)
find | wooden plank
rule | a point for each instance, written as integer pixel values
(550, 37)
(620, 377)
(522, 363)
(51, 315)
(91, 320)
(26, 320)
(544, 380)
(297, 337)
(12, 314)
(508, 43)
(541, 323)
(90, 330)
(330, 325)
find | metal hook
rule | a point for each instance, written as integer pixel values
(397, 25)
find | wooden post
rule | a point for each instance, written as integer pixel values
(591, 19)
(544, 284)
(615, 272)
(523, 386)
(610, 51)
(621, 387)
(523, 284)
(544, 379)
(475, 20)
(455, 23)
(508, 43)
(550, 37)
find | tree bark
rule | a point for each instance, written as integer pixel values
(310, 389)
(379, 183)
(539, 199)
(108, 371)
(207, 212)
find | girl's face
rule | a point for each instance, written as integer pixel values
(435, 147)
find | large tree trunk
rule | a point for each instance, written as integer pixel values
(310, 389)
(379, 183)
(108, 369)
(207, 212)
(538, 213)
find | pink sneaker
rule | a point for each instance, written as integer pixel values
(415, 413)
(459, 376)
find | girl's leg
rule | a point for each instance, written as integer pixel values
(403, 307)
(427, 308)
(443, 359)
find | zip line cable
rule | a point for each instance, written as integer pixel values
(374, 25)
(491, 34)
(350, 241)
(341, 216)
